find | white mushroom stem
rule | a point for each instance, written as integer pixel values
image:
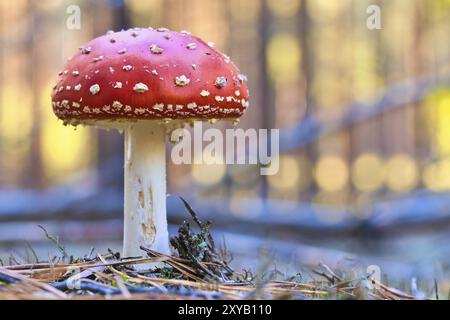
(145, 189)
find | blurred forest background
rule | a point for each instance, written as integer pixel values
(365, 133)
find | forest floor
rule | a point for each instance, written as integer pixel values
(199, 270)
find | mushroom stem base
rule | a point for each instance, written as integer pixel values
(145, 221)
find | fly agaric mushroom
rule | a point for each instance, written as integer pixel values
(142, 82)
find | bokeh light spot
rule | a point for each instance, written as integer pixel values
(64, 149)
(293, 173)
(401, 173)
(436, 176)
(368, 172)
(283, 58)
(208, 174)
(331, 173)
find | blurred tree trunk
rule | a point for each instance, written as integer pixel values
(267, 98)
(33, 176)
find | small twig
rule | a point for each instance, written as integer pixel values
(198, 222)
(86, 286)
(55, 240)
(7, 279)
(328, 274)
(35, 256)
(89, 256)
(436, 289)
(12, 259)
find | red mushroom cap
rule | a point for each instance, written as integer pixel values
(149, 74)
